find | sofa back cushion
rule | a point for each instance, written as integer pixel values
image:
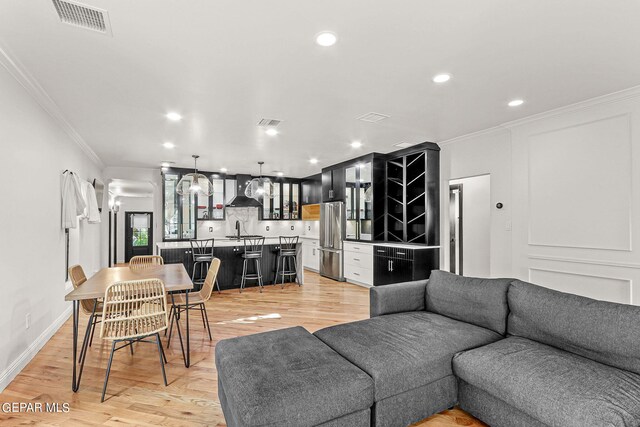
(481, 302)
(603, 331)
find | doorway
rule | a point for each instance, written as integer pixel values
(470, 226)
(138, 234)
(455, 229)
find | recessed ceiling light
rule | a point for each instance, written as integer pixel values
(223, 170)
(166, 164)
(271, 132)
(164, 169)
(169, 145)
(356, 144)
(441, 78)
(313, 161)
(173, 116)
(326, 39)
(515, 103)
(280, 173)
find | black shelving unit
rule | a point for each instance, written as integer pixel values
(412, 198)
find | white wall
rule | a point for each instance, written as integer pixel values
(134, 204)
(569, 180)
(476, 225)
(36, 150)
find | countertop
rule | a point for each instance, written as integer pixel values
(219, 242)
(392, 245)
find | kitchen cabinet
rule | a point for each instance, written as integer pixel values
(333, 185)
(358, 263)
(310, 255)
(285, 203)
(412, 197)
(397, 264)
(211, 208)
(179, 212)
(312, 190)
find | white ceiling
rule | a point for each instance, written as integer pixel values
(130, 188)
(226, 64)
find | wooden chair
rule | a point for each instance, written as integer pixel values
(92, 308)
(145, 261)
(196, 300)
(133, 311)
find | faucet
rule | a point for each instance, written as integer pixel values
(238, 228)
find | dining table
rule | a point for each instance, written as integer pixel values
(174, 277)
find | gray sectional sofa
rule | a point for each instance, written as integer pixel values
(508, 352)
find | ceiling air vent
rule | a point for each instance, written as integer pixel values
(373, 117)
(269, 123)
(83, 16)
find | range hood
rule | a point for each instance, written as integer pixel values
(240, 200)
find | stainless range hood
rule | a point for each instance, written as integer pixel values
(242, 201)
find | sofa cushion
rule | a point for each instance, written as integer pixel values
(403, 351)
(553, 386)
(482, 302)
(603, 331)
(287, 377)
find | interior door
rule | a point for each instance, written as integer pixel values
(138, 234)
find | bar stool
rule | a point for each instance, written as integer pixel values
(202, 255)
(252, 252)
(287, 253)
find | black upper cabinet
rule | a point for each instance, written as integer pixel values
(284, 203)
(412, 197)
(333, 185)
(312, 190)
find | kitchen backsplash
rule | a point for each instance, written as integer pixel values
(249, 224)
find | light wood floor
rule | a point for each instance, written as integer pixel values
(136, 394)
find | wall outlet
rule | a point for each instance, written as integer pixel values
(210, 229)
(309, 228)
(267, 228)
(507, 226)
(292, 228)
(27, 321)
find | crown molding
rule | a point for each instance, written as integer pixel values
(619, 96)
(38, 93)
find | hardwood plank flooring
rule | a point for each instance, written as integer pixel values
(136, 395)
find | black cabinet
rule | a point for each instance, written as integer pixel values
(412, 197)
(284, 202)
(401, 264)
(178, 256)
(312, 190)
(333, 185)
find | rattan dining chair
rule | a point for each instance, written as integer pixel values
(133, 311)
(196, 299)
(145, 261)
(92, 308)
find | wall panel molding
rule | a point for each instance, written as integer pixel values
(616, 264)
(618, 289)
(560, 190)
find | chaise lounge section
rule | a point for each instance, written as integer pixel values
(508, 352)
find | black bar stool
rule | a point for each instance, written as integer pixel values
(287, 253)
(252, 252)
(202, 255)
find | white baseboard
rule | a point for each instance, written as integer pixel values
(21, 361)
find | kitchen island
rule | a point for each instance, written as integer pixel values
(229, 251)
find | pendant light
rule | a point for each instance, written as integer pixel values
(194, 182)
(261, 187)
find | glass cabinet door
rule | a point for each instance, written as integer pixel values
(217, 199)
(271, 205)
(365, 201)
(171, 207)
(295, 201)
(286, 200)
(351, 202)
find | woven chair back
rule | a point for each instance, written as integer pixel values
(134, 309)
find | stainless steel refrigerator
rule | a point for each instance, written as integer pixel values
(332, 229)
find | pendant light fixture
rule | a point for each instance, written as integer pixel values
(259, 188)
(194, 182)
